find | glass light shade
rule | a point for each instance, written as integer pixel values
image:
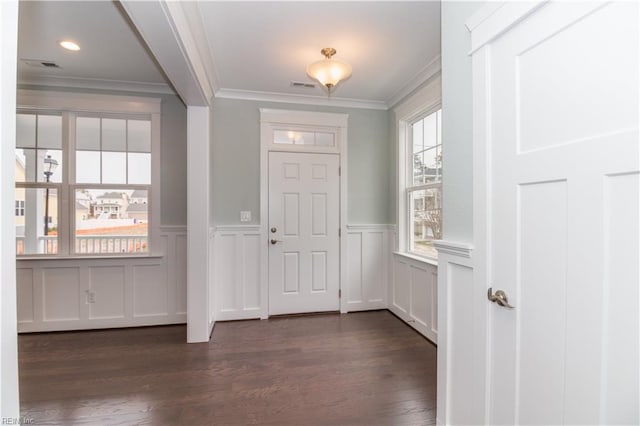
(70, 45)
(329, 71)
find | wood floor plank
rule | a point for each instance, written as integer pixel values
(364, 368)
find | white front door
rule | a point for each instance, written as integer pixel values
(562, 95)
(304, 214)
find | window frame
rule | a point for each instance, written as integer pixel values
(409, 177)
(425, 101)
(71, 106)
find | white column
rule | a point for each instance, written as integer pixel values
(9, 398)
(199, 321)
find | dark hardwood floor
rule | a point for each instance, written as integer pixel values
(356, 369)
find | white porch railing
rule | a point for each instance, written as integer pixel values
(111, 244)
(90, 244)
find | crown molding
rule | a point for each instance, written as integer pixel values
(97, 84)
(422, 76)
(249, 95)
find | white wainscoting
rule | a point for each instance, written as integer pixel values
(87, 293)
(238, 277)
(368, 266)
(413, 294)
(459, 331)
(236, 271)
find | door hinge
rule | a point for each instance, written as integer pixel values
(339, 171)
(339, 293)
(339, 232)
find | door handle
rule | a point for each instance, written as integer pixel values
(275, 241)
(500, 297)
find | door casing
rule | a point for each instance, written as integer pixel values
(274, 119)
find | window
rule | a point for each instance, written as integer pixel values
(99, 202)
(291, 137)
(424, 184)
(38, 174)
(19, 207)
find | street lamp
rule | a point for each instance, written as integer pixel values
(50, 165)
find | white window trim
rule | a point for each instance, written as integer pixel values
(71, 104)
(426, 100)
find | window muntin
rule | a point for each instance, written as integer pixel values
(424, 185)
(113, 151)
(38, 136)
(108, 151)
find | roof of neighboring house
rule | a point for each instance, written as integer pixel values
(111, 195)
(139, 193)
(137, 208)
(80, 206)
(98, 206)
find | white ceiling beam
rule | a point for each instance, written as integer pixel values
(167, 31)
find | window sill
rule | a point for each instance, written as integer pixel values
(427, 260)
(85, 257)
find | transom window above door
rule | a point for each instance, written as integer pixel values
(293, 137)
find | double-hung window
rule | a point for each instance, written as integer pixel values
(112, 184)
(84, 180)
(424, 184)
(39, 167)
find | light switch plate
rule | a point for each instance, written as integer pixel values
(245, 216)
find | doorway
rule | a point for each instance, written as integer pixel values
(302, 211)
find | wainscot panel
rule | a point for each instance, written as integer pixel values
(413, 293)
(236, 271)
(368, 266)
(239, 280)
(85, 293)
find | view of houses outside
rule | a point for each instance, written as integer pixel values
(106, 221)
(101, 219)
(111, 221)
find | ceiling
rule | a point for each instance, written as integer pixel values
(111, 55)
(257, 48)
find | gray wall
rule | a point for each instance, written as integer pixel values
(173, 151)
(236, 161)
(173, 170)
(457, 121)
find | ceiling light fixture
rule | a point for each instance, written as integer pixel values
(69, 45)
(329, 72)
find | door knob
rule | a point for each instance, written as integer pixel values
(500, 297)
(275, 241)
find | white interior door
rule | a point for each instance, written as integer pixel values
(304, 214)
(564, 185)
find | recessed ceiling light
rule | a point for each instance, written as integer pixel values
(69, 45)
